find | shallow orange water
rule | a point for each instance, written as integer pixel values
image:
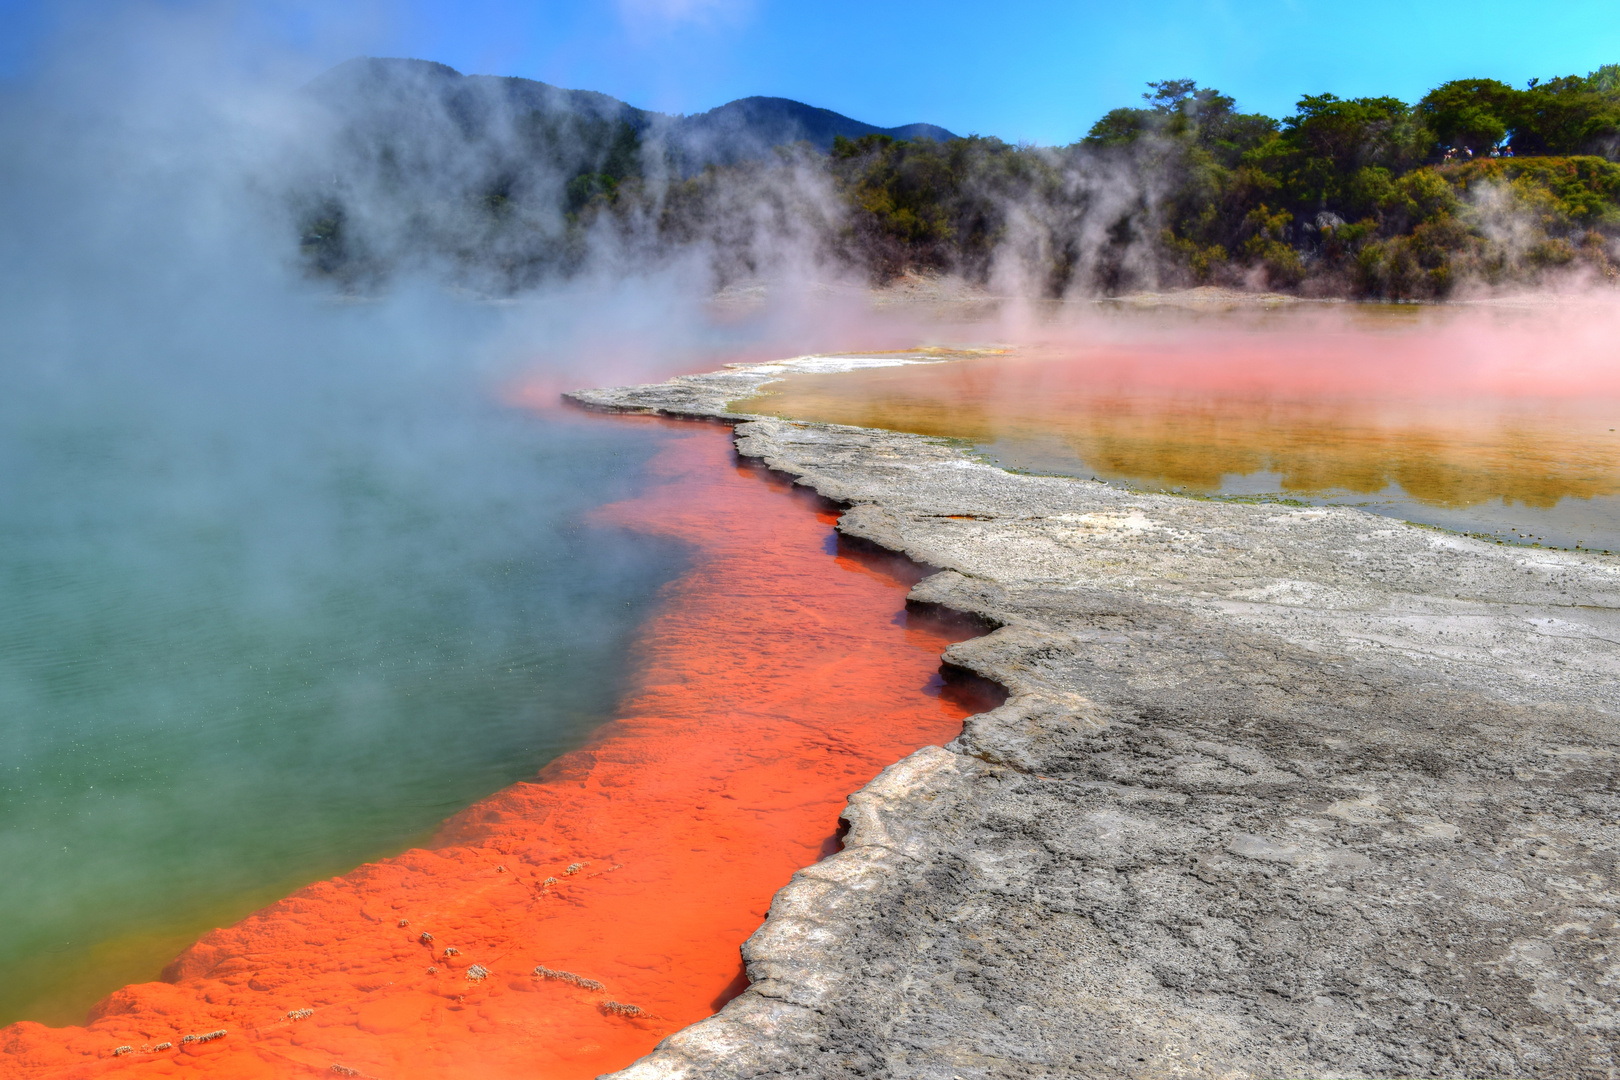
(1502, 426)
(778, 677)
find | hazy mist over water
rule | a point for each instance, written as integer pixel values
(1494, 421)
(283, 582)
(286, 576)
(278, 592)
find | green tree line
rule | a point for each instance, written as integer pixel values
(1478, 182)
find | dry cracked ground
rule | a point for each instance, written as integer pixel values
(1276, 792)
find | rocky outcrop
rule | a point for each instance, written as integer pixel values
(1276, 792)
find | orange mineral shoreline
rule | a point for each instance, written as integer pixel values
(778, 677)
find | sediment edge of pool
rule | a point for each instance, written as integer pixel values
(1276, 791)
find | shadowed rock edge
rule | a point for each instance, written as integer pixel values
(1276, 792)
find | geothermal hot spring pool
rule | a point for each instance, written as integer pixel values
(228, 669)
(1497, 423)
(240, 654)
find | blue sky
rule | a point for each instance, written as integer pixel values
(1019, 69)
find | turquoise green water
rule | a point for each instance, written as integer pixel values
(271, 610)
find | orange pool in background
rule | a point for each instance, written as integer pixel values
(778, 677)
(1496, 423)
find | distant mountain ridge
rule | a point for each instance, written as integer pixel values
(740, 130)
(773, 121)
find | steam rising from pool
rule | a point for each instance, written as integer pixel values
(1498, 421)
(286, 577)
(282, 581)
(284, 585)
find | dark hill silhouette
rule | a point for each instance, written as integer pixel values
(411, 163)
(749, 126)
(396, 96)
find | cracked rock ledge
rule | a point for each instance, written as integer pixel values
(1276, 792)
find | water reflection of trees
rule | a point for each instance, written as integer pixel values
(1318, 449)
(1451, 457)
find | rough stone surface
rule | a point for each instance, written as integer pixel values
(1276, 792)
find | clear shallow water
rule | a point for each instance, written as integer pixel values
(1497, 424)
(269, 610)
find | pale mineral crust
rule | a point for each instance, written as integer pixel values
(1277, 792)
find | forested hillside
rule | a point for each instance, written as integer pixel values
(410, 162)
(1477, 184)
(1477, 181)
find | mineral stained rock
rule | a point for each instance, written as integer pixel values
(1276, 792)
